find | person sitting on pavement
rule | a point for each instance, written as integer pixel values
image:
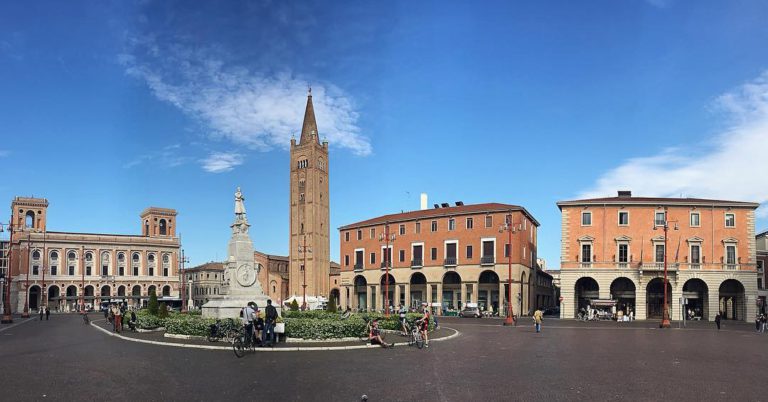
(375, 335)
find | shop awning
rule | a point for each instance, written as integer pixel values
(603, 303)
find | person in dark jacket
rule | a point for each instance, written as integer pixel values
(270, 318)
(717, 320)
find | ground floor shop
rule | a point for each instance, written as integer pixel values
(695, 295)
(447, 291)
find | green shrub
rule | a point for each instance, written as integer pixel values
(189, 325)
(148, 321)
(163, 311)
(314, 314)
(308, 328)
(152, 305)
(294, 305)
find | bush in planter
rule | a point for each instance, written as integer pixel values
(315, 314)
(294, 305)
(152, 305)
(163, 311)
(309, 328)
(188, 325)
(148, 321)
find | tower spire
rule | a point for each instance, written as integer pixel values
(309, 128)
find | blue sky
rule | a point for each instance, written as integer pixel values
(109, 107)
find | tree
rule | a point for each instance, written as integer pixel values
(294, 305)
(152, 306)
(332, 305)
(163, 313)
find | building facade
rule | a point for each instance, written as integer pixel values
(64, 269)
(310, 211)
(444, 257)
(613, 251)
(761, 245)
(204, 281)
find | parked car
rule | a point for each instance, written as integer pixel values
(471, 312)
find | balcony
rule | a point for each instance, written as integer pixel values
(695, 266)
(731, 267)
(623, 265)
(384, 265)
(585, 265)
(417, 263)
(358, 267)
(659, 266)
(487, 260)
(450, 262)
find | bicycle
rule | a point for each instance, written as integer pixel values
(240, 344)
(86, 320)
(226, 330)
(415, 337)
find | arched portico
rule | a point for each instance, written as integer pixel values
(623, 291)
(360, 292)
(732, 301)
(586, 289)
(488, 291)
(451, 292)
(418, 290)
(654, 298)
(696, 294)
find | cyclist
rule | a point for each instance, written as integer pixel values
(423, 324)
(375, 336)
(403, 324)
(246, 315)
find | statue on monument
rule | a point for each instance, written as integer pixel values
(239, 206)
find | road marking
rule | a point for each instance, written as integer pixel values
(286, 349)
(18, 323)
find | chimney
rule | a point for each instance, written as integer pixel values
(424, 202)
(625, 194)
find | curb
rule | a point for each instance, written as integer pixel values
(287, 349)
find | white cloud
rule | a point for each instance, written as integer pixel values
(253, 109)
(220, 162)
(167, 157)
(732, 166)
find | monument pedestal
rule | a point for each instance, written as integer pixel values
(230, 307)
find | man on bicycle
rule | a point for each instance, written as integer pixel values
(375, 335)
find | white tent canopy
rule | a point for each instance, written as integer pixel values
(313, 302)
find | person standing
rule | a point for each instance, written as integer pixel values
(47, 313)
(762, 323)
(717, 320)
(270, 318)
(537, 317)
(247, 317)
(42, 312)
(118, 319)
(757, 323)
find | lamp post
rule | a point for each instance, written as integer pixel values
(82, 279)
(387, 239)
(184, 259)
(304, 250)
(510, 228)
(43, 299)
(665, 323)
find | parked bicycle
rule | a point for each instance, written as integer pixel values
(226, 330)
(414, 336)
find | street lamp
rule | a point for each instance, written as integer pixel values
(665, 313)
(304, 250)
(183, 260)
(387, 239)
(510, 228)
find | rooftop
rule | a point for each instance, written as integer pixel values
(626, 198)
(441, 212)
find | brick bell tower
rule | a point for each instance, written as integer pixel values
(310, 210)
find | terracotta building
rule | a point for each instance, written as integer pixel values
(64, 269)
(761, 244)
(445, 257)
(310, 211)
(613, 252)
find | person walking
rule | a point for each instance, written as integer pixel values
(42, 312)
(47, 313)
(763, 319)
(717, 320)
(118, 319)
(537, 318)
(757, 323)
(270, 318)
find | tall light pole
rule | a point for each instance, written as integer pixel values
(387, 239)
(43, 299)
(510, 228)
(184, 259)
(665, 323)
(304, 250)
(82, 279)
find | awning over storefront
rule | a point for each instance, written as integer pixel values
(603, 303)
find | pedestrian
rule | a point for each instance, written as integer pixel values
(717, 320)
(537, 318)
(757, 323)
(270, 318)
(47, 313)
(763, 322)
(42, 312)
(118, 320)
(246, 314)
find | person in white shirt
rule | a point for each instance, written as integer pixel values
(247, 318)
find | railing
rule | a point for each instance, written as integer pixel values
(585, 265)
(694, 266)
(417, 262)
(487, 260)
(358, 267)
(450, 262)
(658, 266)
(731, 267)
(653, 266)
(623, 265)
(384, 264)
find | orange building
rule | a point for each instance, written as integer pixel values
(613, 252)
(446, 257)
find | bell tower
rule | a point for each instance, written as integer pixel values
(310, 211)
(158, 222)
(29, 213)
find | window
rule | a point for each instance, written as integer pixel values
(346, 260)
(661, 218)
(88, 256)
(359, 234)
(402, 255)
(402, 230)
(659, 254)
(586, 253)
(451, 224)
(121, 271)
(373, 258)
(623, 218)
(163, 228)
(730, 255)
(469, 252)
(88, 270)
(488, 221)
(372, 233)
(346, 236)
(71, 256)
(623, 254)
(695, 220)
(151, 258)
(135, 271)
(165, 271)
(54, 256)
(488, 251)
(71, 270)
(104, 270)
(151, 271)
(506, 250)
(386, 255)
(121, 257)
(695, 254)
(359, 259)
(54, 270)
(586, 219)
(35, 255)
(416, 253)
(470, 223)
(35, 270)
(434, 253)
(451, 253)
(434, 226)
(730, 220)
(417, 229)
